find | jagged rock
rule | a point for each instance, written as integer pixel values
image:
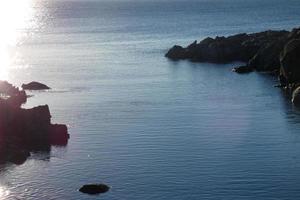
(35, 86)
(12, 94)
(94, 189)
(176, 53)
(243, 69)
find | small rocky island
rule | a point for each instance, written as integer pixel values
(269, 51)
(35, 86)
(23, 131)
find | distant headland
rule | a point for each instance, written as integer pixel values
(269, 51)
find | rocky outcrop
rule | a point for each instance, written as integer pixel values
(11, 94)
(241, 47)
(267, 57)
(271, 51)
(290, 61)
(259, 51)
(35, 86)
(25, 130)
(94, 189)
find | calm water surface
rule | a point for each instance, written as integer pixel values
(149, 127)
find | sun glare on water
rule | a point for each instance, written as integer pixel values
(15, 18)
(4, 193)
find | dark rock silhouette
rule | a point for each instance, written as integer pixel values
(271, 51)
(25, 130)
(267, 57)
(243, 69)
(94, 189)
(241, 47)
(35, 86)
(58, 134)
(11, 94)
(177, 53)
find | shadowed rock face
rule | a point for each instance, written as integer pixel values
(290, 61)
(25, 130)
(267, 57)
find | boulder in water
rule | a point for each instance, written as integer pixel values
(94, 188)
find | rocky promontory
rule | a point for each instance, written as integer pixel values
(25, 130)
(269, 51)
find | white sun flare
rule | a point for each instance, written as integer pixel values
(15, 16)
(4, 193)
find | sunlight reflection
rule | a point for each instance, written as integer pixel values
(15, 17)
(3, 193)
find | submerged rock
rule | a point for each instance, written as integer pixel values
(35, 86)
(94, 188)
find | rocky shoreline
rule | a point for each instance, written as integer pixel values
(269, 51)
(23, 131)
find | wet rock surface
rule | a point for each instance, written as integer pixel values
(25, 130)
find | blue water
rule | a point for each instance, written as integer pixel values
(149, 127)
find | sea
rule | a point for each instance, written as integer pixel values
(149, 127)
